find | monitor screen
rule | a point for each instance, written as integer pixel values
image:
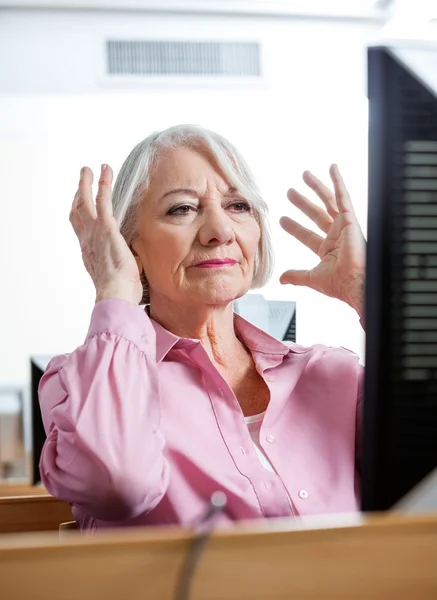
(400, 405)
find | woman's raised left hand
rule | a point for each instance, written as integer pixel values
(341, 270)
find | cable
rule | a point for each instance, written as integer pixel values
(202, 531)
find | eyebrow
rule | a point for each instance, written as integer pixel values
(193, 193)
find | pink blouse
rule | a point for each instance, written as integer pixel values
(142, 428)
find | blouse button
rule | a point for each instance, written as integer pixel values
(303, 494)
(270, 438)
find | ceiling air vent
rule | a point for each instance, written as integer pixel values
(198, 59)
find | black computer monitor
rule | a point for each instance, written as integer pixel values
(38, 365)
(400, 405)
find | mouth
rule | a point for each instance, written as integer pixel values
(217, 263)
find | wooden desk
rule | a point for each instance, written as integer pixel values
(32, 513)
(386, 558)
(21, 489)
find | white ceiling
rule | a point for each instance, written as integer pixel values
(346, 8)
(360, 9)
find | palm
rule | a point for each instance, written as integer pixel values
(341, 252)
(341, 257)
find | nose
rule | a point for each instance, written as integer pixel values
(216, 230)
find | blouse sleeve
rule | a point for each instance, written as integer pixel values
(101, 412)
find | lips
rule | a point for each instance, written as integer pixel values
(217, 262)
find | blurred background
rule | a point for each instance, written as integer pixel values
(82, 81)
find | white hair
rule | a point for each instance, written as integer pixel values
(135, 174)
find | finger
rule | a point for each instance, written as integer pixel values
(73, 205)
(344, 202)
(310, 239)
(326, 195)
(76, 223)
(74, 216)
(295, 277)
(83, 202)
(104, 193)
(319, 216)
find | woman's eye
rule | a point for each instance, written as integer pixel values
(184, 209)
(241, 206)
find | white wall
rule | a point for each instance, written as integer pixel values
(55, 117)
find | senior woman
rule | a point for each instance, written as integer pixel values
(163, 406)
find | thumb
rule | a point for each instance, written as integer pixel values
(295, 277)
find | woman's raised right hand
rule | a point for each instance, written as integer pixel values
(106, 256)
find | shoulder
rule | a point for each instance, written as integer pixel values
(326, 362)
(329, 373)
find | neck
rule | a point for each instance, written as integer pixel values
(212, 325)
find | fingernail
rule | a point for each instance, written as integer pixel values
(103, 168)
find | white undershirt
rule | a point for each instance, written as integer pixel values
(254, 425)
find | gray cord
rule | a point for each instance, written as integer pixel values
(202, 531)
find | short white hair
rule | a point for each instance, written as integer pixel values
(135, 174)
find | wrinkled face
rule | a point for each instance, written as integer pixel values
(197, 235)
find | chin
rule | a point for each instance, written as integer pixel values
(219, 293)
